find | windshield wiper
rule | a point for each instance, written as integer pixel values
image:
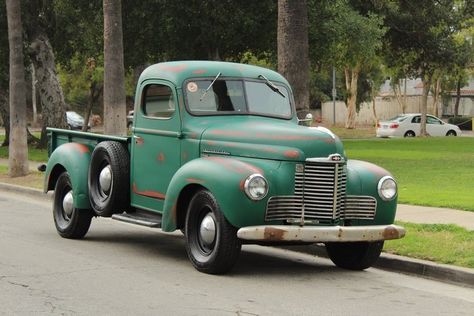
(271, 85)
(210, 86)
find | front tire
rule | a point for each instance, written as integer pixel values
(70, 222)
(451, 133)
(211, 241)
(354, 255)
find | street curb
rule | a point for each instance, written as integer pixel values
(422, 268)
(25, 190)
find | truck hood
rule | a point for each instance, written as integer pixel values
(269, 139)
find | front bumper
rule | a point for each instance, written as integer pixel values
(321, 233)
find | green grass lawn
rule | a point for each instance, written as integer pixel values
(434, 171)
(448, 244)
(34, 154)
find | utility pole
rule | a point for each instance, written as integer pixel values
(334, 95)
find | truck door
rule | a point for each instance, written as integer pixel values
(156, 144)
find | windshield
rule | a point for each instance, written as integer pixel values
(237, 97)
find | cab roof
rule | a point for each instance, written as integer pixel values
(179, 71)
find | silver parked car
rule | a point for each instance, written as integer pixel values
(75, 120)
(408, 125)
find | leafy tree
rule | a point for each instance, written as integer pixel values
(355, 54)
(420, 39)
(39, 24)
(293, 49)
(198, 29)
(18, 149)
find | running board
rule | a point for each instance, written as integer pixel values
(139, 218)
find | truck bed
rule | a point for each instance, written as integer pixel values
(57, 137)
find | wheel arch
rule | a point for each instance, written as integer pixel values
(226, 187)
(74, 158)
(183, 202)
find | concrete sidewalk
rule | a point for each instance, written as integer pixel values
(435, 215)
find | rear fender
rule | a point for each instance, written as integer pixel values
(224, 177)
(75, 159)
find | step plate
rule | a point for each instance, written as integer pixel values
(138, 219)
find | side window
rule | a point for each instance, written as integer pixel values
(158, 101)
(416, 119)
(432, 120)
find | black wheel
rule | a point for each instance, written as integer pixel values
(211, 241)
(451, 133)
(409, 134)
(109, 179)
(70, 222)
(354, 255)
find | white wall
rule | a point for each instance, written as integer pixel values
(385, 108)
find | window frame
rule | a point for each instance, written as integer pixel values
(143, 99)
(230, 113)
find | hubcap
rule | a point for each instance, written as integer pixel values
(207, 230)
(68, 202)
(105, 179)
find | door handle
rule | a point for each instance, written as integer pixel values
(138, 140)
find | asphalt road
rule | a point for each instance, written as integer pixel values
(119, 269)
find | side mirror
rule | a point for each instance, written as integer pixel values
(307, 121)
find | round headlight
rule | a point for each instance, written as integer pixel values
(256, 187)
(387, 188)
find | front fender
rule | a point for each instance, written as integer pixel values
(75, 159)
(224, 177)
(362, 179)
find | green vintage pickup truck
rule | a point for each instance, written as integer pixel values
(217, 151)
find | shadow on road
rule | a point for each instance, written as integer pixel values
(254, 260)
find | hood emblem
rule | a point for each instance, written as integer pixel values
(335, 157)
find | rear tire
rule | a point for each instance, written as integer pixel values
(451, 133)
(109, 179)
(409, 134)
(70, 222)
(212, 244)
(354, 255)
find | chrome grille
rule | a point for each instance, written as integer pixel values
(320, 197)
(324, 190)
(360, 207)
(283, 208)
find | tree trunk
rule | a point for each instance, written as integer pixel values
(33, 94)
(94, 94)
(402, 100)
(352, 98)
(18, 149)
(424, 105)
(114, 75)
(404, 107)
(437, 90)
(374, 111)
(458, 98)
(293, 49)
(50, 91)
(5, 115)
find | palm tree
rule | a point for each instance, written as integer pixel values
(114, 78)
(292, 38)
(18, 149)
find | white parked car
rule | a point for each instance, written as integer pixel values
(408, 125)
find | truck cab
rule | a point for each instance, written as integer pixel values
(216, 150)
